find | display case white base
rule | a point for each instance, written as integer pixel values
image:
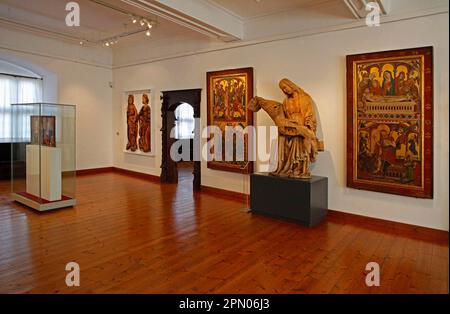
(44, 178)
(43, 206)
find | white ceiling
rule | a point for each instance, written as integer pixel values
(247, 9)
(220, 20)
(93, 16)
(97, 22)
(100, 22)
(50, 15)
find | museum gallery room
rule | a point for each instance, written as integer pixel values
(224, 147)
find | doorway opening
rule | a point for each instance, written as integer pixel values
(184, 132)
(179, 110)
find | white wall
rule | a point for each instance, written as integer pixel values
(317, 63)
(82, 76)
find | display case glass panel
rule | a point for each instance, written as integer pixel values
(43, 155)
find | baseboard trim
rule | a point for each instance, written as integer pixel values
(132, 173)
(395, 226)
(225, 193)
(136, 174)
(83, 172)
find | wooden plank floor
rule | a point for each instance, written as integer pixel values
(130, 235)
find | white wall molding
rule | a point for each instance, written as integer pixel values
(32, 29)
(23, 41)
(53, 56)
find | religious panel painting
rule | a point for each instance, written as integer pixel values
(43, 130)
(390, 122)
(229, 93)
(138, 117)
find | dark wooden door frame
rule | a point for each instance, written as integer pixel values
(170, 101)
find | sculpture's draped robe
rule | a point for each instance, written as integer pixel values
(295, 153)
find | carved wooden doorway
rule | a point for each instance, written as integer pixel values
(170, 101)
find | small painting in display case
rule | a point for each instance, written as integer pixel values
(43, 130)
(229, 92)
(390, 122)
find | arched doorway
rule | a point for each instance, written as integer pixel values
(171, 100)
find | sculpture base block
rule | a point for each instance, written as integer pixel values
(302, 201)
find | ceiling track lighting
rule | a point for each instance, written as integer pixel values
(110, 42)
(147, 25)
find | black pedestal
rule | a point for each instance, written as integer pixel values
(303, 201)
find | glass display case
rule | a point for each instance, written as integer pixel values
(43, 155)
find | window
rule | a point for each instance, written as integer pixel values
(185, 123)
(16, 90)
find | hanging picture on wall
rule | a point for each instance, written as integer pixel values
(138, 123)
(229, 93)
(43, 130)
(390, 122)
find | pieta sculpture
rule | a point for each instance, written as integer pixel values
(297, 125)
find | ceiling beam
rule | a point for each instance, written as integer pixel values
(199, 15)
(358, 7)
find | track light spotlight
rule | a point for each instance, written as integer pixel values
(148, 33)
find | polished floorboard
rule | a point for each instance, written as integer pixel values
(131, 235)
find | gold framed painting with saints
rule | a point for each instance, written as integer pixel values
(229, 92)
(390, 122)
